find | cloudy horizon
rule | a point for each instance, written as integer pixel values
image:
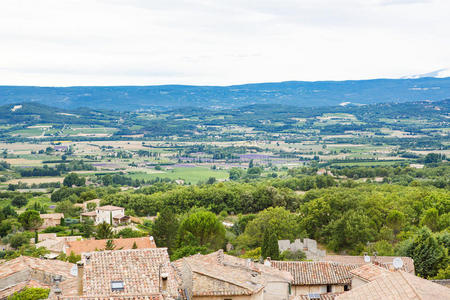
(221, 42)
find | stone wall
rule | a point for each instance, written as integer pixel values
(308, 246)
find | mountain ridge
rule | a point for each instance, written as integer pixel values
(296, 93)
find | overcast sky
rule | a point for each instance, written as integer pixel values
(219, 42)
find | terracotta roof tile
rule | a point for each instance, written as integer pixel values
(109, 207)
(21, 263)
(385, 261)
(326, 296)
(79, 247)
(121, 297)
(316, 272)
(369, 272)
(138, 269)
(29, 271)
(218, 274)
(398, 285)
(55, 216)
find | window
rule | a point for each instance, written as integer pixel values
(329, 288)
(117, 286)
(346, 288)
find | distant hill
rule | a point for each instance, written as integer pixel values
(295, 93)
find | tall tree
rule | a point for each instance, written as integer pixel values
(165, 229)
(104, 231)
(428, 255)
(269, 246)
(395, 220)
(30, 220)
(201, 228)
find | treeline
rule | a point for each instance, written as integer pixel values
(75, 165)
(229, 196)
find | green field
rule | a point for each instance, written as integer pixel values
(368, 163)
(189, 175)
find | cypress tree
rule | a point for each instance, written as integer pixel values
(165, 229)
(270, 245)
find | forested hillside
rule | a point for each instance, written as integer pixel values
(296, 93)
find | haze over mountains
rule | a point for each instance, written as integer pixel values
(297, 93)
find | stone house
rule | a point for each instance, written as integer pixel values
(315, 278)
(222, 277)
(51, 220)
(112, 215)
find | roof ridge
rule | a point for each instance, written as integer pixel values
(226, 280)
(411, 286)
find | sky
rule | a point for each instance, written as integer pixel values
(219, 42)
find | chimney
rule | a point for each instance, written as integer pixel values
(164, 277)
(220, 256)
(80, 267)
(268, 262)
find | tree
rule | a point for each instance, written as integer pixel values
(110, 245)
(201, 228)
(104, 231)
(30, 293)
(73, 258)
(211, 180)
(395, 220)
(250, 164)
(293, 255)
(353, 229)
(130, 233)
(443, 273)
(17, 240)
(269, 246)
(107, 180)
(30, 220)
(278, 220)
(19, 200)
(428, 255)
(188, 251)
(87, 227)
(67, 208)
(165, 229)
(235, 173)
(74, 179)
(431, 219)
(91, 206)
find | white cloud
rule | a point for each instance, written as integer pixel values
(111, 42)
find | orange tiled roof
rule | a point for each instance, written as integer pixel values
(398, 285)
(33, 272)
(138, 269)
(79, 247)
(369, 272)
(385, 261)
(121, 297)
(109, 207)
(21, 263)
(55, 216)
(218, 274)
(316, 272)
(326, 296)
